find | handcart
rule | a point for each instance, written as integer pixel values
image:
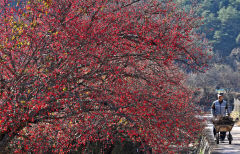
(223, 124)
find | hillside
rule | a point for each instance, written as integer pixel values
(221, 23)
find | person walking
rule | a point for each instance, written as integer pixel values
(220, 109)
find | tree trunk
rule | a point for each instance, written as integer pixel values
(4, 140)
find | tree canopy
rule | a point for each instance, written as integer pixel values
(75, 72)
(221, 23)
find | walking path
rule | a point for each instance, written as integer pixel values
(225, 148)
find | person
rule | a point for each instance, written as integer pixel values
(220, 108)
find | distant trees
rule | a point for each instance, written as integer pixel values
(221, 23)
(234, 59)
(223, 73)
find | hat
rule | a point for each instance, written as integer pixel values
(220, 94)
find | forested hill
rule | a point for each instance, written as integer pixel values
(221, 23)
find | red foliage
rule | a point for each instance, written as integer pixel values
(75, 71)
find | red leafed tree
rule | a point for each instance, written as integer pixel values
(75, 72)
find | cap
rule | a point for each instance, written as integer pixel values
(220, 94)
